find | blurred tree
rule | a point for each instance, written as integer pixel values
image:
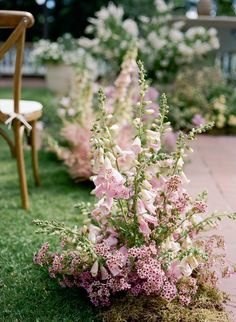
(225, 8)
(26, 5)
(71, 16)
(56, 17)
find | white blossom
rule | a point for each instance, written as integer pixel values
(161, 6)
(131, 27)
(176, 35)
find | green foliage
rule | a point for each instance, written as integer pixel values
(72, 15)
(203, 92)
(225, 8)
(26, 293)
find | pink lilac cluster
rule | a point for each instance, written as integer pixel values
(187, 289)
(214, 246)
(39, 258)
(136, 270)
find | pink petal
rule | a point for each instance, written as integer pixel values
(94, 269)
(124, 250)
(141, 207)
(136, 146)
(115, 270)
(111, 241)
(150, 219)
(143, 226)
(104, 273)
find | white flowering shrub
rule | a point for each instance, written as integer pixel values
(112, 35)
(166, 47)
(45, 52)
(200, 96)
(65, 50)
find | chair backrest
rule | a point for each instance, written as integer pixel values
(19, 21)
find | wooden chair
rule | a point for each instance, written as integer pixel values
(18, 113)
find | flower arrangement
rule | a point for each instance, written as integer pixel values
(163, 45)
(200, 96)
(143, 239)
(65, 50)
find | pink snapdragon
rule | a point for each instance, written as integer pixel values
(154, 140)
(143, 226)
(110, 182)
(136, 146)
(148, 199)
(93, 233)
(78, 157)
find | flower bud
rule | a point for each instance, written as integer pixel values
(149, 111)
(84, 229)
(148, 102)
(137, 121)
(192, 261)
(114, 127)
(94, 269)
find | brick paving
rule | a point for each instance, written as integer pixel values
(213, 167)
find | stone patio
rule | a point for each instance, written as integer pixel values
(213, 167)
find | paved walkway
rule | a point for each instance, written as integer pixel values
(213, 168)
(30, 82)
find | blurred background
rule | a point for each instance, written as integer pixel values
(55, 17)
(188, 48)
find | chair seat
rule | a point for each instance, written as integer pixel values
(26, 107)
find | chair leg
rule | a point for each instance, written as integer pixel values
(19, 134)
(34, 152)
(9, 142)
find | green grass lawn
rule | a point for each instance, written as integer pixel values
(26, 291)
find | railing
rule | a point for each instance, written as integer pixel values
(226, 27)
(226, 61)
(7, 64)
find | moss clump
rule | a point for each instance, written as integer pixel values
(207, 306)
